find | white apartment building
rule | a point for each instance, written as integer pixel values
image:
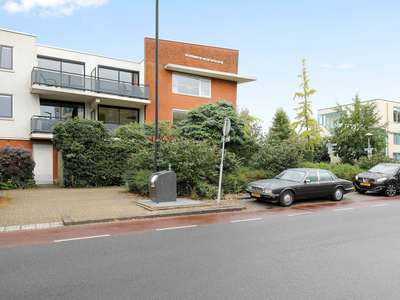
(389, 111)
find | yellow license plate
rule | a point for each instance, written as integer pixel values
(366, 184)
(256, 195)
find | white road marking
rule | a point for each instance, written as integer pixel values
(306, 213)
(378, 205)
(245, 220)
(170, 228)
(82, 238)
(340, 209)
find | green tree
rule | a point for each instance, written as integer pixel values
(309, 130)
(280, 129)
(321, 154)
(350, 132)
(252, 125)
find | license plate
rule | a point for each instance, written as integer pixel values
(256, 195)
(365, 184)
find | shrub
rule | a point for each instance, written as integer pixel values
(16, 168)
(196, 164)
(137, 180)
(367, 163)
(236, 182)
(277, 158)
(344, 171)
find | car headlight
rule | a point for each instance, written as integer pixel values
(356, 177)
(249, 187)
(267, 191)
(383, 179)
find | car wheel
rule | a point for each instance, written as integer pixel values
(391, 190)
(361, 191)
(337, 194)
(286, 199)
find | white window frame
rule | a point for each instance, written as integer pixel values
(12, 55)
(12, 107)
(200, 80)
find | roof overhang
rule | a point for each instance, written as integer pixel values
(210, 73)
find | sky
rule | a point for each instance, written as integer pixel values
(350, 46)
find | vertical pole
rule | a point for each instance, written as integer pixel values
(220, 169)
(156, 96)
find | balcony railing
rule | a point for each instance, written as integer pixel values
(44, 124)
(88, 83)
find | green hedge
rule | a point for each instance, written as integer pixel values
(344, 171)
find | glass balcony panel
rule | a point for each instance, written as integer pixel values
(42, 124)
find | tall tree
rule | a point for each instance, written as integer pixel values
(280, 129)
(349, 133)
(252, 125)
(309, 130)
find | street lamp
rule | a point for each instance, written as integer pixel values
(369, 149)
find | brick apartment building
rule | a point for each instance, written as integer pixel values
(41, 86)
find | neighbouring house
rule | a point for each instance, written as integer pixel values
(41, 86)
(389, 111)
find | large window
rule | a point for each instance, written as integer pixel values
(396, 156)
(396, 111)
(119, 75)
(6, 57)
(118, 115)
(191, 85)
(396, 138)
(61, 109)
(178, 115)
(6, 106)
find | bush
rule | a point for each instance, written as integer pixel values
(137, 180)
(344, 171)
(196, 164)
(16, 168)
(90, 156)
(367, 163)
(237, 181)
(277, 158)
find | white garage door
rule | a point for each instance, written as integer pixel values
(43, 156)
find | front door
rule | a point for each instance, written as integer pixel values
(43, 157)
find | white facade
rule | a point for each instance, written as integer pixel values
(29, 87)
(388, 111)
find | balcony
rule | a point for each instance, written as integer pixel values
(65, 80)
(41, 126)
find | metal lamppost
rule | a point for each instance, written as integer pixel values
(156, 95)
(369, 149)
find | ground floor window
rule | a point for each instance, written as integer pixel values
(178, 115)
(396, 156)
(113, 114)
(61, 109)
(6, 106)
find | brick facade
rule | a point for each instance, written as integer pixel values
(175, 53)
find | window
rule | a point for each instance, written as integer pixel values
(61, 65)
(396, 111)
(6, 106)
(113, 114)
(61, 109)
(312, 176)
(126, 76)
(191, 85)
(178, 115)
(6, 57)
(396, 156)
(396, 138)
(324, 176)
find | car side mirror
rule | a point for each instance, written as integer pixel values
(307, 181)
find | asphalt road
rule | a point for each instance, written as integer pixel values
(336, 252)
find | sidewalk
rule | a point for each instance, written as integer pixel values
(52, 206)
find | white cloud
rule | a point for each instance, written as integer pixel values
(325, 66)
(346, 66)
(50, 7)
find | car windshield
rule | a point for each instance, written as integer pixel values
(383, 169)
(291, 175)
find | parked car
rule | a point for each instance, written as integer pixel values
(300, 183)
(384, 178)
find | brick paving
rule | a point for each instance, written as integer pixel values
(47, 204)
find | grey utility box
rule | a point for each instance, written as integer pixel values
(162, 186)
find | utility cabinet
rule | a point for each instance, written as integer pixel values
(162, 186)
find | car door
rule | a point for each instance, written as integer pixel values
(327, 183)
(311, 186)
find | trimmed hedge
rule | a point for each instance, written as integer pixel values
(16, 168)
